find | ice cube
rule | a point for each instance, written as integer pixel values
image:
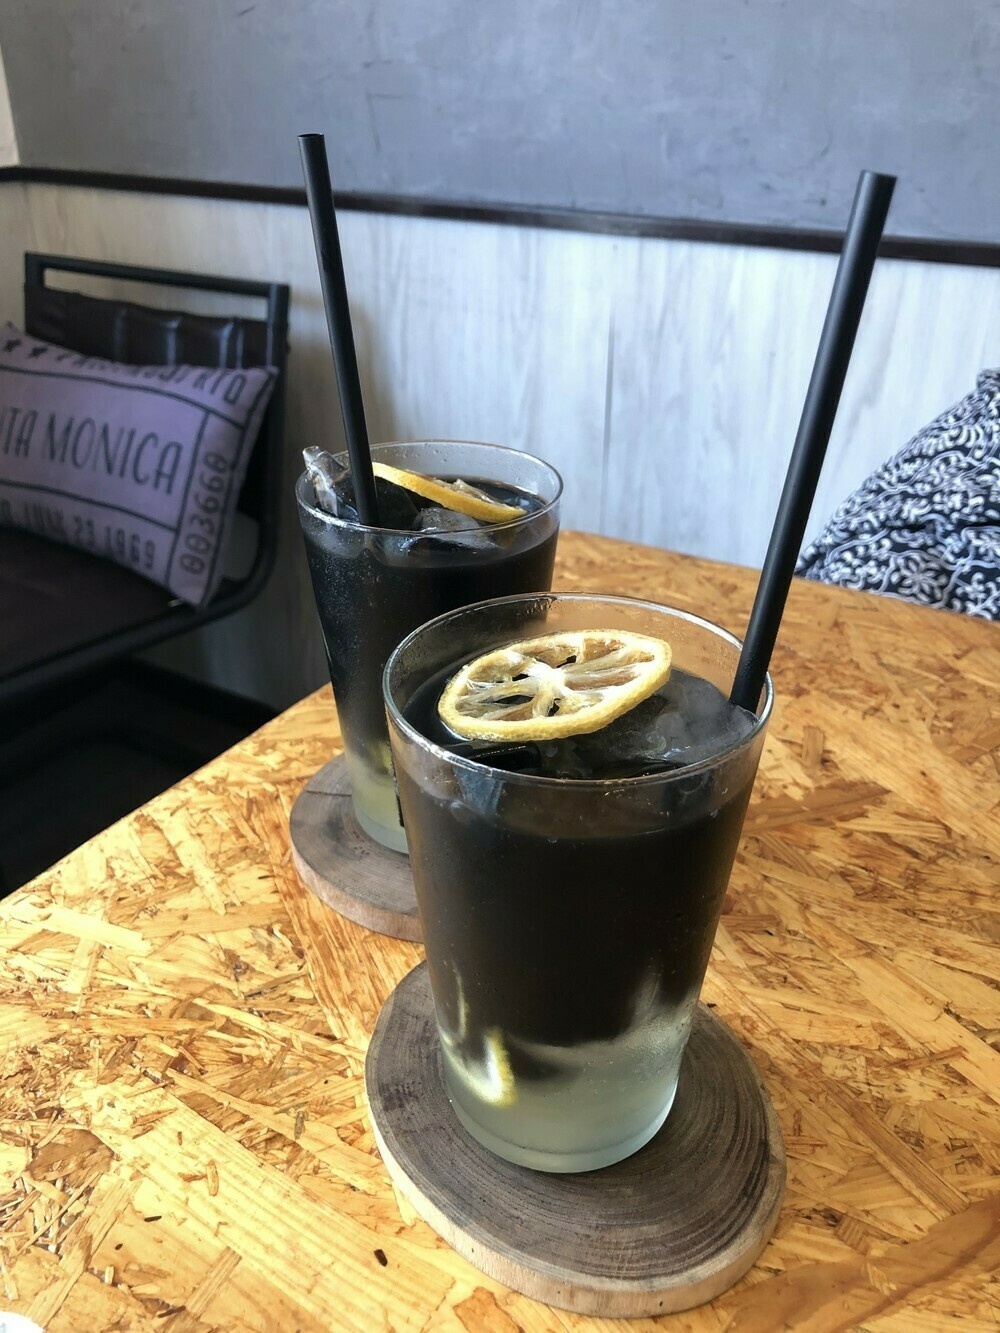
(334, 489)
(684, 722)
(325, 474)
(461, 531)
(436, 519)
(634, 743)
(711, 723)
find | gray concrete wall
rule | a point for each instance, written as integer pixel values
(738, 110)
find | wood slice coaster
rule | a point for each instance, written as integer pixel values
(671, 1227)
(342, 865)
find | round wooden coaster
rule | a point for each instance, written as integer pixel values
(671, 1227)
(350, 872)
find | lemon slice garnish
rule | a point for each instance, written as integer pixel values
(491, 1078)
(456, 495)
(557, 685)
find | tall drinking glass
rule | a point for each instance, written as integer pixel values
(374, 585)
(568, 921)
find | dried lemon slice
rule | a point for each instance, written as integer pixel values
(456, 495)
(490, 1078)
(557, 685)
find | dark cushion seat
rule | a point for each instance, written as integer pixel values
(55, 599)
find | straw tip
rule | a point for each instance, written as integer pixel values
(882, 179)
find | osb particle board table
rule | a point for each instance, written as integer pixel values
(184, 1144)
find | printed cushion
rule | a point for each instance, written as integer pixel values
(926, 525)
(139, 464)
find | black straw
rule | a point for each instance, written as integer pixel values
(857, 259)
(319, 194)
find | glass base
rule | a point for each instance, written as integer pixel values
(588, 1159)
(373, 795)
(394, 838)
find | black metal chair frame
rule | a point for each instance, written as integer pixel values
(260, 496)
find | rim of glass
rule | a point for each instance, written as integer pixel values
(575, 784)
(475, 444)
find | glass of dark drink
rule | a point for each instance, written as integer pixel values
(374, 585)
(569, 887)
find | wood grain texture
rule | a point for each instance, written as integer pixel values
(342, 865)
(182, 1126)
(663, 378)
(671, 1227)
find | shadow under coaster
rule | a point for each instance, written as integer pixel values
(671, 1227)
(343, 866)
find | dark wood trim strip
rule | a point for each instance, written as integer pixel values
(980, 254)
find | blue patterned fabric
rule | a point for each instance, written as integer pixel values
(926, 525)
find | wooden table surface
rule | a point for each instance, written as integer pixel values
(184, 1143)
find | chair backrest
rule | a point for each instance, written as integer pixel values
(143, 335)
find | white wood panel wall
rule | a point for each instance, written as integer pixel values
(8, 139)
(664, 379)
